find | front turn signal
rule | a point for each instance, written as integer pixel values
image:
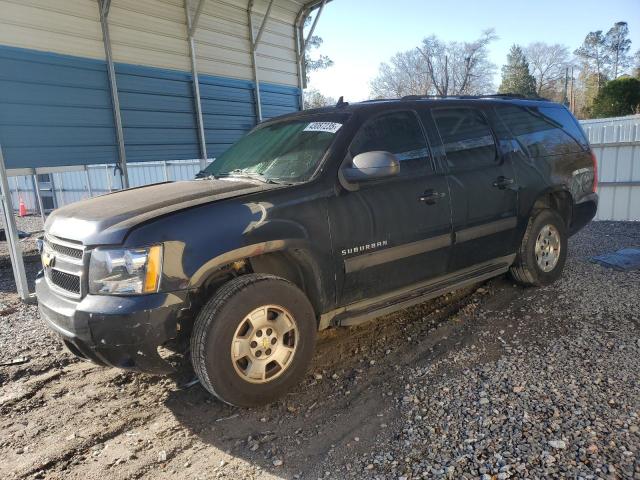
(154, 269)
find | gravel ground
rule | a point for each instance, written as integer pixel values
(490, 382)
(30, 224)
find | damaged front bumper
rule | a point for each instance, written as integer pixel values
(122, 332)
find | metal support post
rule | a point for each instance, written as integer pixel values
(11, 232)
(106, 174)
(165, 171)
(299, 63)
(313, 26)
(36, 189)
(17, 187)
(63, 201)
(256, 42)
(104, 6)
(191, 29)
(301, 44)
(87, 179)
(254, 61)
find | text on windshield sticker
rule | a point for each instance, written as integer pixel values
(329, 127)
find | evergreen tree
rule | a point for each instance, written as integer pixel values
(516, 77)
(618, 45)
(617, 98)
(594, 55)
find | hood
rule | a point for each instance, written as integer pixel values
(108, 218)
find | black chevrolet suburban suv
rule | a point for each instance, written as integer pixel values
(321, 218)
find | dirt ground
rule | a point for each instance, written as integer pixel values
(64, 418)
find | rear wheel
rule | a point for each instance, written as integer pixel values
(253, 340)
(543, 252)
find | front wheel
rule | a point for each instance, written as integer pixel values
(543, 252)
(253, 340)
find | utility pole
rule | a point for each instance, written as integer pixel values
(572, 100)
(565, 98)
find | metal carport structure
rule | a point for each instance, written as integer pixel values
(110, 79)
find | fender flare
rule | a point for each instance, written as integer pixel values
(300, 250)
(552, 190)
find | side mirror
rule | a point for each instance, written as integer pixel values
(374, 165)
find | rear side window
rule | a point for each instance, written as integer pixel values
(398, 133)
(466, 137)
(543, 131)
(567, 122)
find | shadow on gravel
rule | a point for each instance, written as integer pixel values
(32, 266)
(347, 394)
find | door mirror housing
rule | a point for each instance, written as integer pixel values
(370, 166)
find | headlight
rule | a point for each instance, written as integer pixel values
(125, 271)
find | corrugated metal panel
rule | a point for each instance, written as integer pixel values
(153, 33)
(609, 130)
(70, 27)
(56, 110)
(149, 32)
(228, 110)
(157, 113)
(223, 41)
(69, 187)
(616, 144)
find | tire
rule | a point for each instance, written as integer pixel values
(224, 344)
(527, 269)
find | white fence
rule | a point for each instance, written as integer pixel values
(616, 144)
(615, 141)
(65, 187)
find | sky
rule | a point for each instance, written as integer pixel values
(358, 39)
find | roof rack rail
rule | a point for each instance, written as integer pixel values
(515, 95)
(423, 97)
(505, 96)
(373, 100)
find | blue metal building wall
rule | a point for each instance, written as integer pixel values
(55, 110)
(157, 111)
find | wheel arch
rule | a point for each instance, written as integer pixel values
(558, 199)
(292, 260)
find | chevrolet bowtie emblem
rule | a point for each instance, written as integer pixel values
(48, 259)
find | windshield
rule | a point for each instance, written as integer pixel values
(287, 151)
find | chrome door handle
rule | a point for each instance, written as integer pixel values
(430, 197)
(502, 182)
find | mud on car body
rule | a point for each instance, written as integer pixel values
(317, 219)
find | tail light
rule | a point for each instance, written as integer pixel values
(595, 171)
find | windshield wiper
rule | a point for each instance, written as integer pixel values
(251, 175)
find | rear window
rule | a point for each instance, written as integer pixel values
(568, 123)
(544, 131)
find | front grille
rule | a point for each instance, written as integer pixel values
(65, 281)
(65, 250)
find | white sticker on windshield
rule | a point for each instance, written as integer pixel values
(329, 127)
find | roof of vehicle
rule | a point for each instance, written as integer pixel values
(413, 100)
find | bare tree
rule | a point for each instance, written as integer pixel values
(438, 68)
(403, 75)
(548, 64)
(313, 98)
(594, 56)
(459, 68)
(618, 44)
